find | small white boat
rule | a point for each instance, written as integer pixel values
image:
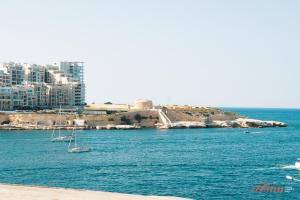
(60, 137)
(79, 149)
(76, 149)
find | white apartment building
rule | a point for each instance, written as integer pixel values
(32, 86)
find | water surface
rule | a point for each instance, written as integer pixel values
(194, 163)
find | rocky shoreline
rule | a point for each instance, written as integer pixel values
(246, 123)
(152, 118)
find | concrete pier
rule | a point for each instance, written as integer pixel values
(23, 192)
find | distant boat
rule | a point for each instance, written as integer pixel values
(74, 148)
(247, 131)
(60, 137)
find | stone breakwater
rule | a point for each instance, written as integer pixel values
(212, 118)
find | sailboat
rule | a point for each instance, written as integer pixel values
(74, 148)
(60, 137)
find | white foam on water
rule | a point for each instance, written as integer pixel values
(260, 169)
(270, 168)
(288, 167)
(277, 167)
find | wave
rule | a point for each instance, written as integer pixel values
(288, 167)
(278, 167)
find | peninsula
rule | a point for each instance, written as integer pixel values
(142, 114)
(50, 96)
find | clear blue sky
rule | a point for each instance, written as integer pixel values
(211, 53)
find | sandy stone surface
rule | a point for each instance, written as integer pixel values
(22, 192)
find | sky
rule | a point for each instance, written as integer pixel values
(207, 53)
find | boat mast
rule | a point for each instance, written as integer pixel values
(59, 120)
(75, 143)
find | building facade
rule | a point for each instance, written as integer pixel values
(29, 86)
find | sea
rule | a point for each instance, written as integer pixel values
(207, 163)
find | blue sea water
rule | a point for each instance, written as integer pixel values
(192, 163)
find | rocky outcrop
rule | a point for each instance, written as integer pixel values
(119, 127)
(216, 118)
(188, 124)
(245, 123)
(254, 123)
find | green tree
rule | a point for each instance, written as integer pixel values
(125, 120)
(138, 117)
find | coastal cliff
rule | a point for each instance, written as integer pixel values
(152, 118)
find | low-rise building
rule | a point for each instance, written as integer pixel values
(106, 108)
(142, 104)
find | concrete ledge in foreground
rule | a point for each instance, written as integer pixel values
(23, 192)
